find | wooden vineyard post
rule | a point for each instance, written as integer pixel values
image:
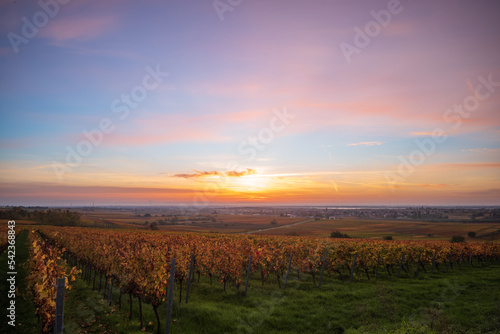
(323, 268)
(418, 265)
(434, 262)
(353, 267)
(470, 259)
(189, 277)
(491, 258)
(110, 291)
(93, 282)
(104, 289)
(460, 262)
(401, 264)
(288, 271)
(378, 261)
(59, 316)
(171, 282)
(248, 274)
(449, 262)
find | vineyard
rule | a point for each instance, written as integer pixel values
(139, 262)
(46, 266)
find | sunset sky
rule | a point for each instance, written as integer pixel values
(316, 102)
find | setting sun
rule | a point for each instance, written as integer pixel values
(251, 183)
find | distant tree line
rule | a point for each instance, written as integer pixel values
(56, 217)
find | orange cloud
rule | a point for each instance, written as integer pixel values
(231, 173)
(422, 185)
(472, 165)
(422, 133)
(40, 192)
(484, 149)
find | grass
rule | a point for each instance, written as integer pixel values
(461, 301)
(87, 312)
(26, 320)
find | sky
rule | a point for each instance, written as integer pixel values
(239, 102)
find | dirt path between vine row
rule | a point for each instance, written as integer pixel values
(277, 227)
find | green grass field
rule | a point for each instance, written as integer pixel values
(26, 321)
(460, 301)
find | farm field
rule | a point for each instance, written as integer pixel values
(196, 223)
(365, 228)
(230, 224)
(401, 229)
(240, 223)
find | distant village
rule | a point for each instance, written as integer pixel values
(423, 213)
(413, 213)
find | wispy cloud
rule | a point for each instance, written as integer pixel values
(484, 149)
(204, 174)
(366, 143)
(421, 133)
(69, 28)
(5, 51)
(423, 185)
(157, 128)
(472, 165)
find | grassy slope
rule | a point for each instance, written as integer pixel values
(465, 301)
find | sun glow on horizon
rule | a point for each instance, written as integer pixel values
(252, 183)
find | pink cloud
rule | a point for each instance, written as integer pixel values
(366, 143)
(70, 28)
(5, 51)
(175, 128)
(39, 192)
(169, 135)
(231, 117)
(400, 28)
(471, 165)
(422, 133)
(484, 149)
